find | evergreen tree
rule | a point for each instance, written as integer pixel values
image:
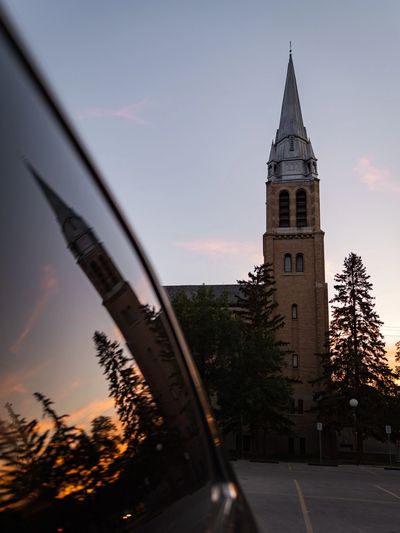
(356, 365)
(257, 300)
(261, 394)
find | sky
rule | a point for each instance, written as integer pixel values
(178, 102)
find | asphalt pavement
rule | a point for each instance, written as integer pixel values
(299, 498)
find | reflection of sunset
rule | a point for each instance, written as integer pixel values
(92, 425)
(85, 414)
(82, 417)
(93, 478)
(48, 286)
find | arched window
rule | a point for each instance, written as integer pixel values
(284, 212)
(294, 311)
(287, 263)
(299, 263)
(295, 360)
(301, 208)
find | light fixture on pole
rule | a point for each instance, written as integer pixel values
(353, 404)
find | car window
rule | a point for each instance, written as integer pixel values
(100, 425)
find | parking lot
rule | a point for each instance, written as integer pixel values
(296, 497)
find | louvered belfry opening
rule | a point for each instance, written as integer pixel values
(284, 211)
(301, 208)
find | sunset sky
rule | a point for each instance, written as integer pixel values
(178, 102)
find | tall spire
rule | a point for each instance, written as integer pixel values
(291, 122)
(79, 236)
(291, 156)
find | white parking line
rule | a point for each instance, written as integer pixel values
(304, 509)
(388, 491)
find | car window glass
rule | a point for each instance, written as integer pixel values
(99, 427)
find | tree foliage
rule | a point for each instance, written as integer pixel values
(135, 406)
(238, 354)
(65, 461)
(208, 325)
(356, 365)
(397, 358)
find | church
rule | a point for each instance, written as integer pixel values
(294, 245)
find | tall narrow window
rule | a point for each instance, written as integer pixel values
(284, 211)
(294, 311)
(302, 442)
(295, 360)
(301, 208)
(287, 263)
(300, 407)
(292, 406)
(299, 263)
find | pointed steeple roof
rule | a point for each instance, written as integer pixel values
(291, 156)
(272, 153)
(62, 211)
(291, 122)
(72, 225)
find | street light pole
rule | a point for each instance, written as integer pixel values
(353, 404)
(319, 429)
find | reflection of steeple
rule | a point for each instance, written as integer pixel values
(80, 238)
(150, 348)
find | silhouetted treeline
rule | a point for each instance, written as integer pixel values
(51, 467)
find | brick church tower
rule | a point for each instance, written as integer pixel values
(294, 246)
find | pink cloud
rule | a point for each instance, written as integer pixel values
(83, 416)
(17, 382)
(92, 410)
(223, 247)
(129, 112)
(375, 178)
(48, 285)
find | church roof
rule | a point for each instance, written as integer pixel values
(231, 291)
(291, 122)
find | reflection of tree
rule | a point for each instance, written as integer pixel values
(21, 451)
(65, 463)
(134, 404)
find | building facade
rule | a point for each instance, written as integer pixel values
(294, 245)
